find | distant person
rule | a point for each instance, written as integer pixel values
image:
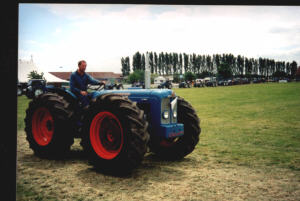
(79, 81)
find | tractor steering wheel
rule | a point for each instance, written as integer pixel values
(99, 87)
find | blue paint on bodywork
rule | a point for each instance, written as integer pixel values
(171, 130)
(69, 92)
(152, 98)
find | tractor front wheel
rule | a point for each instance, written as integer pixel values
(115, 134)
(179, 147)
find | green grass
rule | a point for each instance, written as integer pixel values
(252, 125)
(25, 193)
(255, 125)
(22, 105)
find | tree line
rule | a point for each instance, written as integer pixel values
(165, 63)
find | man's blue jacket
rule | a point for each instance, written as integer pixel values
(79, 82)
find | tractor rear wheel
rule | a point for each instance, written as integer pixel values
(49, 125)
(115, 134)
(179, 147)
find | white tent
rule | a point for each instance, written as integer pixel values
(25, 67)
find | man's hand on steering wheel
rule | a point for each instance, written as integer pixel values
(102, 83)
(101, 86)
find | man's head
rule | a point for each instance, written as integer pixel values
(81, 66)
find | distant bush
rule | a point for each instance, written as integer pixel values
(136, 76)
(279, 74)
(189, 76)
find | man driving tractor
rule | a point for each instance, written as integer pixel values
(79, 81)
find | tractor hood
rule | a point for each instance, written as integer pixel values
(137, 94)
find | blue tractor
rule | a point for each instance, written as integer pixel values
(117, 128)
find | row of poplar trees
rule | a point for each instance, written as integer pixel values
(173, 63)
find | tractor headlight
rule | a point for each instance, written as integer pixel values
(174, 114)
(165, 114)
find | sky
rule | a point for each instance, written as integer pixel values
(59, 35)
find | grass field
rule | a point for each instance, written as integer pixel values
(249, 149)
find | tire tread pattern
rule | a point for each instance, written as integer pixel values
(135, 133)
(63, 117)
(186, 143)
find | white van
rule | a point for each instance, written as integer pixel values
(159, 80)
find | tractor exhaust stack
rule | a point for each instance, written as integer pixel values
(147, 72)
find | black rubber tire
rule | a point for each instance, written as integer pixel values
(64, 124)
(183, 145)
(134, 128)
(74, 104)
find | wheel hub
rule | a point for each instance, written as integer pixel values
(110, 137)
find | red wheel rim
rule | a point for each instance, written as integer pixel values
(106, 135)
(42, 126)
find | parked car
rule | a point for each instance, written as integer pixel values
(138, 84)
(256, 80)
(35, 87)
(22, 87)
(184, 85)
(111, 86)
(167, 84)
(236, 81)
(199, 83)
(283, 81)
(259, 80)
(244, 81)
(271, 80)
(210, 81)
(223, 83)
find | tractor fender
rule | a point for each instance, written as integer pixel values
(62, 92)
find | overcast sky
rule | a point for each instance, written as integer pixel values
(58, 35)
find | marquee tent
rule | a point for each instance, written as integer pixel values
(25, 67)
